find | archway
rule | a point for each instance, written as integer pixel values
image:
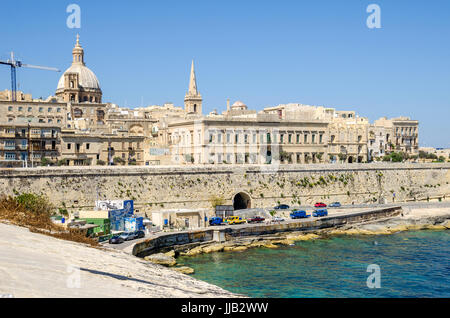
(242, 201)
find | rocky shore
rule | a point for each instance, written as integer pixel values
(411, 219)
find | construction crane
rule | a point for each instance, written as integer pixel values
(15, 64)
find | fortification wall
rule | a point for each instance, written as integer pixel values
(170, 187)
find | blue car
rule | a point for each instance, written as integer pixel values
(335, 205)
(215, 221)
(320, 212)
(299, 214)
(282, 207)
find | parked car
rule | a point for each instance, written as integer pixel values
(116, 239)
(282, 207)
(335, 205)
(299, 214)
(320, 212)
(256, 219)
(140, 234)
(129, 236)
(277, 219)
(215, 221)
(235, 220)
(320, 205)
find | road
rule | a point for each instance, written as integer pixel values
(343, 210)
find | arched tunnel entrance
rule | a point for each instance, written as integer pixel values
(242, 201)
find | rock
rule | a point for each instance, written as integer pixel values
(161, 259)
(171, 253)
(213, 248)
(284, 242)
(270, 245)
(303, 237)
(184, 270)
(446, 224)
(234, 248)
(436, 227)
(239, 248)
(195, 251)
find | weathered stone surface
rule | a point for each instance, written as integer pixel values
(192, 252)
(213, 248)
(234, 248)
(446, 224)
(184, 270)
(171, 253)
(284, 242)
(161, 259)
(303, 237)
(37, 269)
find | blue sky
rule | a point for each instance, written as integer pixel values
(261, 52)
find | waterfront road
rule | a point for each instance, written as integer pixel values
(343, 210)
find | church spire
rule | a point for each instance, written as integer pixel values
(192, 82)
(193, 100)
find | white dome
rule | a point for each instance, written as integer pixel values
(239, 104)
(87, 78)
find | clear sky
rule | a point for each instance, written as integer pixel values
(264, 53)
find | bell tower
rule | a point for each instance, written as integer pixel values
(193, 99)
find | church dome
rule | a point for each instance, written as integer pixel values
(78, 83)
(239, 105)
(87, 78)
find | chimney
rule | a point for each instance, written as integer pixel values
(228, 104)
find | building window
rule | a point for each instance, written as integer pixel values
(69, 146)
(49, 109)
(41, 109)
(321, 139)
(236, 138)
(20, 108)
(298, 138)
(305, 138)
(87, 146)
(10, 156)
(10, 108)
(30, 109)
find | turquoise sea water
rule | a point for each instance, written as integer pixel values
(412, 264)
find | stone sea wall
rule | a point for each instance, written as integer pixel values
(167, 187)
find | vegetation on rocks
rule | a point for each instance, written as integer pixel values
(34, 212)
